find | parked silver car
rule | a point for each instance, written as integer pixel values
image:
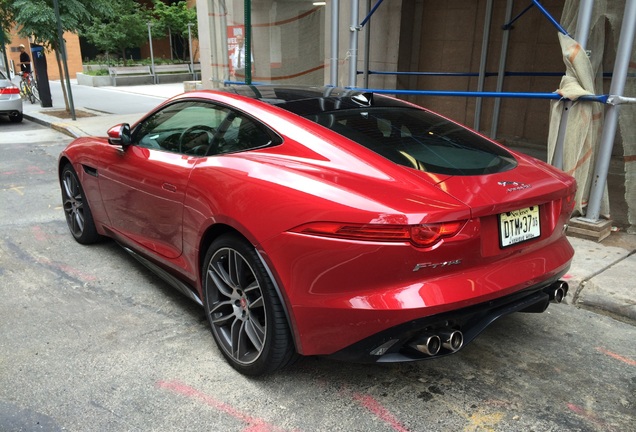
(10, 99)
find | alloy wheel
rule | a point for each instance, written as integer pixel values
(235, 303)
(73, 203)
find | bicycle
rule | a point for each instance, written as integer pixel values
(29, 87)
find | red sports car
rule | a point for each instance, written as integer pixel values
(324, 221)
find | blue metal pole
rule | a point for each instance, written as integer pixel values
(519, 95)
(371, 12)
(509, 24)
(554, 22)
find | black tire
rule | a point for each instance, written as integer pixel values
(17, 118)
(245, 314)
(23, 90)
(78, 214)
(30, 95)
(35, 91)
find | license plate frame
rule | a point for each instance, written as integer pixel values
(518, 226)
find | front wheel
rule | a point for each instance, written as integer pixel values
(16, 117)
(78, 214)
(246, 316)
(35, 91)
(27, 91)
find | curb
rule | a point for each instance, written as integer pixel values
(607, 291)
(64, 128)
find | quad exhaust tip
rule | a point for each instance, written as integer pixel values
(449, 339)
(558, 291)
(452, 340)
(429, 345)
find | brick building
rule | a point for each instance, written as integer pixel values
(73, 52)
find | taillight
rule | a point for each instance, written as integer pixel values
(424, 235)
(429, 234)
(9, 90)
(568, 204)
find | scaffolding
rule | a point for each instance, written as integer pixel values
(611, 101)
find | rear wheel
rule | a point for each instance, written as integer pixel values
(34, 90)
(247, 319)
(16, 118)
(78, 214)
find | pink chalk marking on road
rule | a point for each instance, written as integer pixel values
(254, 424)
(77, 273)
(588, 416)
(30, 170)
(35, 170)
(382, 413)
(39, 233)
(72, 271)
(616, 356)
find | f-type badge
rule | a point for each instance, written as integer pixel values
(514, 186)
(436, 265)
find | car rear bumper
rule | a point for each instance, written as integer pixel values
(400, 343)
(11, 107)
(379, 289)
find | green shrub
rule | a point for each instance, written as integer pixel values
(99, 72)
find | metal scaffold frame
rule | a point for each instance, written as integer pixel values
(613, 100)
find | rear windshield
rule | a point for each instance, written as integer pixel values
(418, 139)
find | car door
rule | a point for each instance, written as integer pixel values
(143, 185)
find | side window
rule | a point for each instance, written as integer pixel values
(183, 127)
(242, 133)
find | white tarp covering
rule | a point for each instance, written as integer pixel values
(584, 122)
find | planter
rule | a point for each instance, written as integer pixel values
(93, 68)
(94, 81)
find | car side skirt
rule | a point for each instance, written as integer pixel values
(179, 285)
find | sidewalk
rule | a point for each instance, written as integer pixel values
(109, 106)
(602, 276)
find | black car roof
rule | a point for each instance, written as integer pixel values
(306, 100)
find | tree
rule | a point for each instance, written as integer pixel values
(36, 20)
(125, 29)
(6, 20)
(172, 20)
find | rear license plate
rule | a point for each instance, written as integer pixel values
(519, 225)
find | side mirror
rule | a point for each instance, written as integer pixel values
(120, 135)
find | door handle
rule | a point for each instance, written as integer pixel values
(169, 187)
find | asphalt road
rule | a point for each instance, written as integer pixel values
(92, 341)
